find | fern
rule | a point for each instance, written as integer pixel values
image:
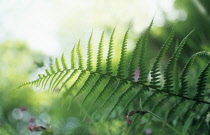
(110, 92)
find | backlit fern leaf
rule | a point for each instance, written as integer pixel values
(90, 54)
(109, 59)
(99, 66)
(73, 58)
(80, 56)
(63, 61)
(85, 85)
(102, 89)
(95, 87)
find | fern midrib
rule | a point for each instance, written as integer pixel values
(136, 84)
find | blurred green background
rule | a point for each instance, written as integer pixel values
(34, 32)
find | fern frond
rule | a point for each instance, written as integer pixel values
(120, 99)
(184, 82)
(137, 95)
(80, 56)
(63, 61)
(96, 85)
(134, 59)
(121, 84)
(101, 89)
(201, 85)
(60, 76)
(100, 95)
(61, 79)
(58, 65)
(90, 54)
(141, 63)
(78, 80)
(109, 59)
(70, 77)
(85, 85)
(73, 58)
(52, 69)
(99, 66)
(155, 71)
(185, 72)
(168, 85)
(123, 57)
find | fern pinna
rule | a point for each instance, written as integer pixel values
(113, 92)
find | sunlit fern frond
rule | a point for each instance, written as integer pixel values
(108, 94)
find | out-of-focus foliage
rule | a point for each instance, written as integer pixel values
(20, 108)
(198, 17)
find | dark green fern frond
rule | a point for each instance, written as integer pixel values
(201, 85)
(91, 77)
(121, 84)
(102, 92)
(141, 63)
(185, 72)
(120, 100)
(155, 71)
(90, 54)
(122, 64)
(109, 59)
(135, 58)
(92, 90)
(168, 85)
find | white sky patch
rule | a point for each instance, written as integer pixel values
(50, 25)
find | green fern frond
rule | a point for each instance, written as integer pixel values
(90, 54)
(109, 59)
(58, 65)
(155, 71)
(121, 84)
(99, 66)
(134, 59)
(120, 99)
(80, 56)
(141, 63)
(52, 69)
(69, 78)
(123, 57)
(168, 85)
(91, 77)
(185, 72)
(78, 80)
(201, 85)
(101, 89)
(184, 82)
(137, 95)
(102, 92)
(95, 87)
(73, 58)
(63, 61)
